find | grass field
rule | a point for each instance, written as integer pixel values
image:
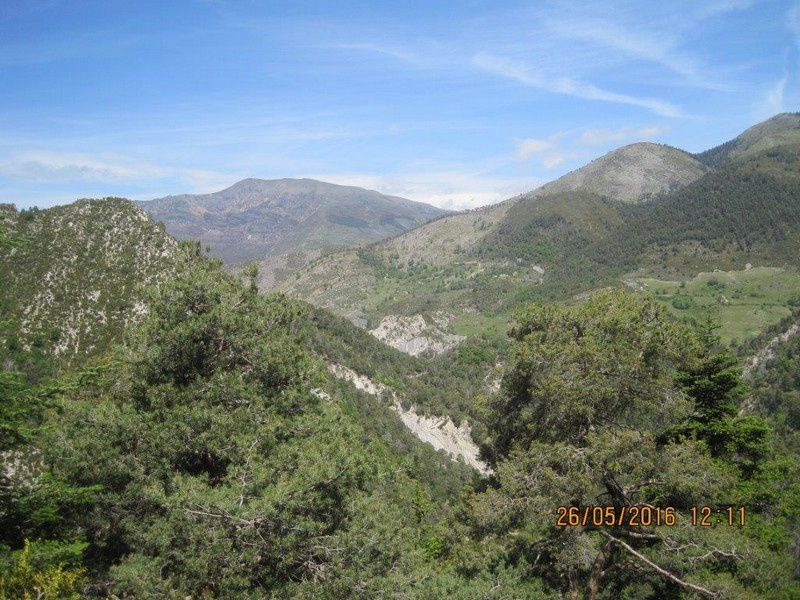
(744, 302)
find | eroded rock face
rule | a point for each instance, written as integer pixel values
(757, 363)
(415, 336)
(439, 432)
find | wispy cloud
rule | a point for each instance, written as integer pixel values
(547, 151)
(520, 72)
(602, 136)
(45, 167)
(564, 146)
(659, 49)
(529, 147)
(450, 189)
(773, 101)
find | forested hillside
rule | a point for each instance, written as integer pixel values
(644, 211)
(745, 212)
(201, 458)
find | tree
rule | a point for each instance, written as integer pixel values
(581, 421)
(712, 380)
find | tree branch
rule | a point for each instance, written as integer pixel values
(663, 572)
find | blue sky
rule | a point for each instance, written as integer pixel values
(458, 103)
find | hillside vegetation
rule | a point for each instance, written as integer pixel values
(168, 430)
(72, 277)
(641, 211)
(200, 459)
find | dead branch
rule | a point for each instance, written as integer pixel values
(663, 572)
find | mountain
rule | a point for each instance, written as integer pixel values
(225, 443)
(633, 173)
(72, 277)
(779, 130)
(75, 278)
(255, 218)
(644, 210)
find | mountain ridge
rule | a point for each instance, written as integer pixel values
(567, 237)
(257, 218)
(782, 128)
(632, 173)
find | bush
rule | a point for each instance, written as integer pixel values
(683, 302)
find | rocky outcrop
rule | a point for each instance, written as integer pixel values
(415, 336)
(440, 432)
(759, 360)
(632, 173)
(77, 275)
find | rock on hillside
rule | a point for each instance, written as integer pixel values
(71, 277)
(416, 336)
(256, 218)
(632, 173)
(440, 432)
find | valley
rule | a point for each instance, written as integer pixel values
(404, 393)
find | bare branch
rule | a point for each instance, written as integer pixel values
(663, 572)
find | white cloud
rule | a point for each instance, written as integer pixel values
(601, 136)
(518, 71)
(773, 101)
(554, 160)
(546, 151)
(529, 147)
(565, 146)
(450, 189)
(44, 166)
(48, 166)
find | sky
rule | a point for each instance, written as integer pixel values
(459, 103)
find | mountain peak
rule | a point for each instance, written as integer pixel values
(258, 218)
(632, 173)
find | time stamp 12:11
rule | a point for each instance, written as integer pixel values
(646, 515)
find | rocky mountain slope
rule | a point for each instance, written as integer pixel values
(633, 173)
(291, 219)
(72, 277)
(644, 208)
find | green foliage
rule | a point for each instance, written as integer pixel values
(220, 474)
(714, 384)
(683, 302)
(585, 417)
(23, 579)
(544, 228)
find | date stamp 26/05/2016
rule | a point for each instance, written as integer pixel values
(646, 515)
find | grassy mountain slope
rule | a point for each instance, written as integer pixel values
(777, 131)
(72, 277)
(256, 218)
